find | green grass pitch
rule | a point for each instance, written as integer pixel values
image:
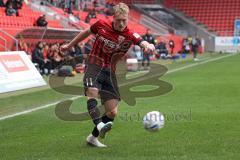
(202, 121)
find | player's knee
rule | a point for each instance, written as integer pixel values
(112, 114)
(92, 92)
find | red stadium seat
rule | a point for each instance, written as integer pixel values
(218, 15)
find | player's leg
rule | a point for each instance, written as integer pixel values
(92, 87)
(93, 110)
(111, 108)
(110, 97)
(110, 103)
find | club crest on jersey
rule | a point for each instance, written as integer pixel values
(121, 39)
(111, 46)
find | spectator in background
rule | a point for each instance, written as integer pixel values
(146, 56)
(10, 11)
(38, 57)
(70, 7)
(78, 49)
(19, 3)
(195, 46)
(45, 50)
(149, 37)
(41, 21)
(78, 53)
(48, 62)
(171, 46)
(95, 4)
(186, 46)
(61, 4)
(109, 8)
(162, 49)
(88, 47)
(16, 4)
(69, 58)
(2, 3)
(53, 2)
(42, 3)
(23, 46)
(91, 14)
(54, 56)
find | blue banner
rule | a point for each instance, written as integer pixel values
(237, 28)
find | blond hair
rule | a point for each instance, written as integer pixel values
(120, 8)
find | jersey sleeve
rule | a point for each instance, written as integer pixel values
(136, 38)
(96, 26)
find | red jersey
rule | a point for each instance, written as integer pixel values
(110, 45)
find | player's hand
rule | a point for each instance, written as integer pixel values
(46, 60)
(150, 48)
(64, 47)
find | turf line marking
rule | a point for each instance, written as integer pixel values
(200, 62)
(76, 97)
(177, 69)
(37, 108)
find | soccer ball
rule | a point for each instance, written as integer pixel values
(153, 121)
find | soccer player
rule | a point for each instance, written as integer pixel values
(112, 42)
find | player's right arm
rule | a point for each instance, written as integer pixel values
(80, 37)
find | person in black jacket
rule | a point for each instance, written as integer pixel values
(150, 39)
(16, 4)
(88, 46)
(10, 11)
(90, 15)
(2, 3)
(162, 50)
(195, 45)
(41, 21)
(37, 57)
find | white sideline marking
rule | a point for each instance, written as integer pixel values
(76, 97)
(35, 109)
(199, 62)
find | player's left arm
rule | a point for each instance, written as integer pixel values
(147, 47)
(80, 37)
